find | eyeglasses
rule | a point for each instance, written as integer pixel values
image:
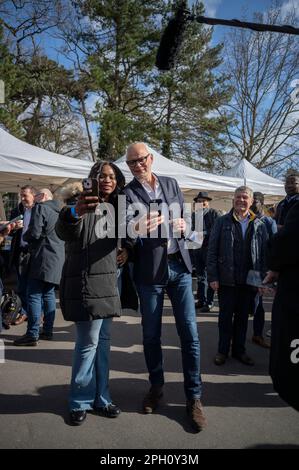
(104, 177)
(141, 161)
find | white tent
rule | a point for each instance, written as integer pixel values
(190, 181)
(22, 163)
(220, 188)
(256, 179)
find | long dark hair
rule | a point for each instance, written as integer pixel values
(120, 179)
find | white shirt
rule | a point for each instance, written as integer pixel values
(157, 193)
(26, 221)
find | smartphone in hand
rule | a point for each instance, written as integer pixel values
(12, 221)
(156, 202)
(91, 185)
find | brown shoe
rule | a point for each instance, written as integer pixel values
(244, 358)
(219, 359)
(20, 319)
(195, 411)
(152, 398)
(260, 341)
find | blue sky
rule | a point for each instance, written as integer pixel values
(235, 9)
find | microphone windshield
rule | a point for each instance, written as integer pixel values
(172, 38)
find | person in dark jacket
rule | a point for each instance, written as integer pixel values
(292, 197)
(19, 255)
(88, 290)
(205, 293)
(259, 313)
(237, 247)
(45, 266)
(283, 261)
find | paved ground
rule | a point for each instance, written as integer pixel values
(242, 409)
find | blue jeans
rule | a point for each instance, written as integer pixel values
(90, 373)
(40, 297)
(179, 290)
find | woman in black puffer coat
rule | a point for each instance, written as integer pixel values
(88, 291)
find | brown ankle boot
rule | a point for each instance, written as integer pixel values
(195, 411)
(152, 398)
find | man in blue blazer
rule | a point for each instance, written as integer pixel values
(162, 263)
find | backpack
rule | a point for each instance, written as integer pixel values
(11, 307)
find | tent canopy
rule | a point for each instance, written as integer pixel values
(187, 177)
(192, 181)
(256, 179)
(22, 163)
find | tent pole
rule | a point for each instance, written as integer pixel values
(2, 210)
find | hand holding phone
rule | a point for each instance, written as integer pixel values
(89, 198)
(91, 186)
(12, 221)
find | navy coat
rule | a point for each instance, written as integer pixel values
(46, 249)
(150, 265)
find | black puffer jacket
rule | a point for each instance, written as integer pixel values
(88, 289)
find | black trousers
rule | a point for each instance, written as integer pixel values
(235, 304)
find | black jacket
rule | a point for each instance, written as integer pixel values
(46, 249)
(88, 289)
(16, 237)
(221, 252)
(283, 208)
(283, 257)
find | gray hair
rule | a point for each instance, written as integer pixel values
(137, 143)
(244, 189)
(47, 193)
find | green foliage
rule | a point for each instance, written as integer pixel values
(189, 97)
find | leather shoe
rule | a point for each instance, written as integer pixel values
(109, 411)
(244, 359)
(46, 336)
(20, 319)
(219, 359)
(77, 417)
(195, 412)
(205, 309)
(260, 341)
(25, 340)
(152, 398)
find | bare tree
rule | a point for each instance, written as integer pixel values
(264, 69)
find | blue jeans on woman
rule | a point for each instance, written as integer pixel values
(179, 290)
(90, 373)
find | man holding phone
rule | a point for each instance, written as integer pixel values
(162, 264)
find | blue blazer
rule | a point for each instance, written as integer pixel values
(150, 261)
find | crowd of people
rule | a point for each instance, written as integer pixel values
(238, 255)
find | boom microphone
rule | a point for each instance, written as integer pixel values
(172, 38)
